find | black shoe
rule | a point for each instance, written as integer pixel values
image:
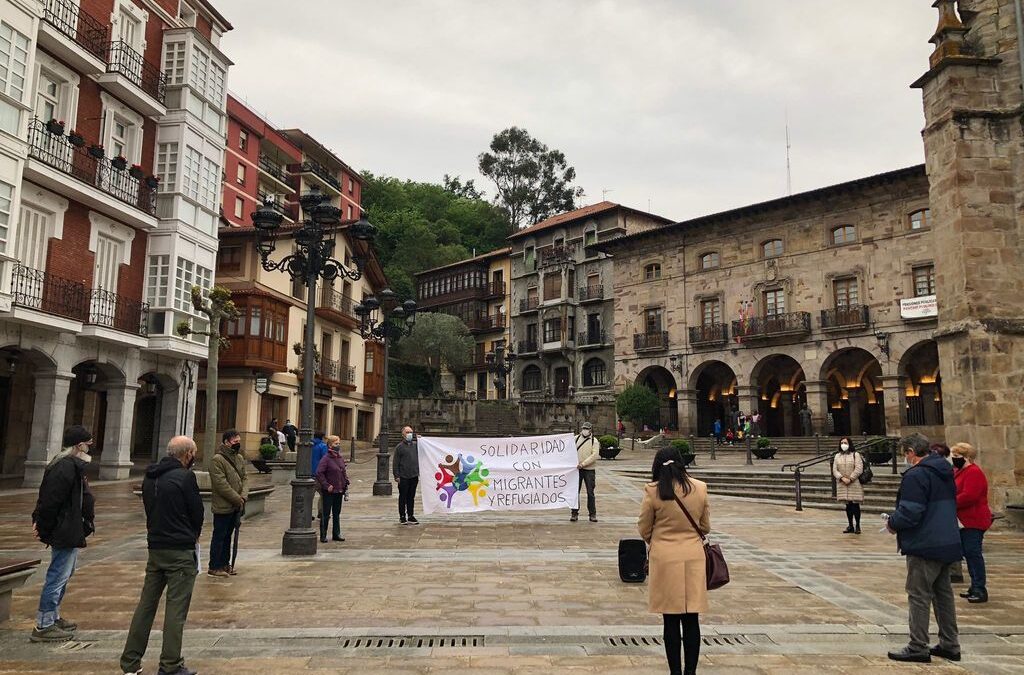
(184, 670)
(906, 654)
(337, 538)
(968, 593)
(412, 519)
(574, 517)
(323, 540)
(849, 530)
(593, 519)
(401, 520)
(856, 530)
(944, 653)
(977, 598)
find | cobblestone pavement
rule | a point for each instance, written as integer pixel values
(509, 593)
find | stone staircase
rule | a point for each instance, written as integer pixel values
(793, 445)
(497, 418)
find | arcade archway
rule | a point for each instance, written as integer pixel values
(782, 395)
(663, 384)
(853, 379)
(715, 384)
(923, 385)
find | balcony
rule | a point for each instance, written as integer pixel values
(95, 178)
(709, 334)
(849, 317)
(644, 342)
(337, 307)
(495, 289)
(286, 210)
(528, 305)
(321, 175)
(591, 293)
(454, 295)
(74, 36)
(135, 80)
(112, 316)
(777, 325)
(274, 172)
(483, 324)
(553, 256)
(335, 372)
(527, 347)
(591, 339)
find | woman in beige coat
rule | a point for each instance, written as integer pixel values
(678, 584)
(847, 466)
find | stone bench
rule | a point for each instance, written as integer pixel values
(13, 574)
(259, 489)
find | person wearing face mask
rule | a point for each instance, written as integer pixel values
(974, 514)
(847, 466)
(229, 487)
(406, 469)
(332, 479)
(174, 521)
(588, 449)
(62, 519)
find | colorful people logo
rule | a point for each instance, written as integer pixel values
(461, 475)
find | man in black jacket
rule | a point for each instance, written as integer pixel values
(174, 521)
(62, 519)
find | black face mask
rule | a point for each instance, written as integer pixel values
(959, 462)
(191, 462)
(236, 446)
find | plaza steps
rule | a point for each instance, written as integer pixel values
(496, 418)
(793, 445)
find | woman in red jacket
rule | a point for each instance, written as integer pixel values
(974, 515)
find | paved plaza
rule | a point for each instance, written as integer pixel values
(508, 593)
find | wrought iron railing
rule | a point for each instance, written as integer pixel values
(273, 168)
(529, 304)
(347, 375)
(711, 333)
(654, 340)
(776, 324)
(337, 301)
(118, 312)
(496, 288)
(591, 338)
(556, 255)
(848, 316)
(148, 77)
(490, 322)
(39, 290)
(83, 28)
(330, 370)
(318, 169)
(79, 163)
(591, 293)
(276, 203)
(527, 346)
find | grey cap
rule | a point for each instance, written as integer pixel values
(586, 425)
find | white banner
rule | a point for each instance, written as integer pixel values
(919, 308)
(466, 475)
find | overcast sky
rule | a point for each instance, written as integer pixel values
(677, 103)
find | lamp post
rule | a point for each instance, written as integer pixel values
(501, 364)
(312, 260)
(382, 319)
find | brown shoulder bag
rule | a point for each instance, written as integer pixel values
(715, 567)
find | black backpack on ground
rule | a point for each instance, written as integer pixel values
(632, 560)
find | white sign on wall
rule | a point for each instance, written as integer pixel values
(919, 308)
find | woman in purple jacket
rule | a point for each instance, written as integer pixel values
(333, 481)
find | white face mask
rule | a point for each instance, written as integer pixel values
(585, 433)
(844, 446)
(408, 436)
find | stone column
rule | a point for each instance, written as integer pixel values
(51, 401)
(116, 460)
(927, 393)
(894, 399)
(169, 417)
(786, 403)
(856, 408)
(817, 401)
(686, 400)
(747, 399)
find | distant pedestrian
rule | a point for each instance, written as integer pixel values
(406, 469)
(272, 428)
(291, 433)
(755, 420)
(621, 430)
(678, 583)
(588, 449)
(332, 479)
(229, 487)
(805, 419)
(174, 521)
(281, 442)
(63, 518)
(729, 436)
(975, 516)
(748, 427)
(847, 466)
(716, 429)
(924, 523)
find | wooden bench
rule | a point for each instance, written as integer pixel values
(13, 574)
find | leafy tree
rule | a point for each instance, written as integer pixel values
(637, 404)
(533, 182)
(458, 188)
(438, 341)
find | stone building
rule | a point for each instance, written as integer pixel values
(825, 299)
(476, 291)
(562, 307)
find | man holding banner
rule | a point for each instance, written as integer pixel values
(588, 449)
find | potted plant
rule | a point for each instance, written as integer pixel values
(682, 446)
(152, 182)
(268, 451)
(55, 127)
(878, 453)
(609, 446)
(764, 449)
(96, 151)
(136, 172)
(76, 139)
(119, 163)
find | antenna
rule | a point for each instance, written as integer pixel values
(648, 205)
(604, 193)
(789, 171)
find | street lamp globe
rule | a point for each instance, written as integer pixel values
(266, 220)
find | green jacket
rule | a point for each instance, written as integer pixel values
(228, 481)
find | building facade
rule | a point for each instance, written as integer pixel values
(266, 164)
(825, 299)
(562, 301)
(476, 291)
(112, 121)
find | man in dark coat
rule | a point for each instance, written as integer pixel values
(174, 521)
(406, 468)
(62, 519)
(926, 530)
(291, 434)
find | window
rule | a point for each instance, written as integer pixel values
(167, 165)
(239, 207)
(652, 320)
(351, 185)
(552, 330)
(48, 97)
(200, 69)
(227, 407)
(229, 259)
(920, 220)
(774, 302)
(709, 260)
(590, 237)
(772, 248)
(844, 234)
(35, 227)
(240, 174)
(348, 215)
(156, 280)
(243, 140)
(210, 184)
(924, 280)
(530, 257)
(652, 272)
(6, 200)
(13, 61)
(119, 138)
(188, 275)
(174, 62)
(531, 296)
(192, 174)
(710, 312)
(531, 334)
(593, 373)
(531, 378)
(109, 254)
(845, 292)
(552, 286)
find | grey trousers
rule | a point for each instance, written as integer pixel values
(928, 586)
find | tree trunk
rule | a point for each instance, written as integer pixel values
(212, 360)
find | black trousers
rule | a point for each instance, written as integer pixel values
(222, 539)
(588, 477)
(407, 496)
(331, 505)
(688, 642)
(853, 512)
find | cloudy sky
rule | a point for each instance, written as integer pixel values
(678, 104)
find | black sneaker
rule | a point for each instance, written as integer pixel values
(66, 624)
(574, 517)
(944, 653)
(413, 521)
(338, 539)
(401, 520)
(593, 519)
(909, 656)
(323, 540)
(977, 598)
(180, 671)
(849, 530)
(52, 633)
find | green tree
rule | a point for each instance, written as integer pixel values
(638, 405)
(533, 182)
(438, 341)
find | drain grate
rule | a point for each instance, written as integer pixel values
(404, 642)
(648, 641)
(74, 646)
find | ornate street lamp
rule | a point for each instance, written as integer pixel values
(382, 319)
(312, 260)
(501, 364)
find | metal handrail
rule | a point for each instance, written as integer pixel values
(799, 467)
(76, 23)
(144, 74)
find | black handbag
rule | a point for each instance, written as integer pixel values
(866, 475)
(715, 567)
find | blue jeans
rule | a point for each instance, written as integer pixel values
(970, 541)
(221, 540)
(62, 566)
